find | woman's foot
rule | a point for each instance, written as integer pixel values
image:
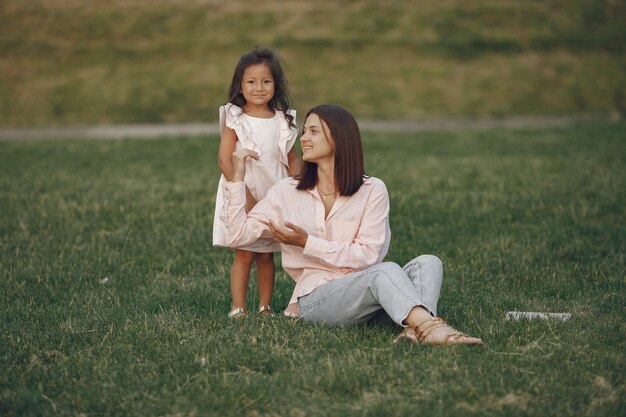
(435, 331)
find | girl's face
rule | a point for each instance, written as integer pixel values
(317, 144)
(257, 84)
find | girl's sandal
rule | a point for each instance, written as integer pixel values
(265, 311)
(420, 333)
(237, 313)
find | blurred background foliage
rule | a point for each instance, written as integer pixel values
(67, 62)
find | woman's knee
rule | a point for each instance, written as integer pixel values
(390, 271)
(425, 266)
(431, 260)
(390, 268)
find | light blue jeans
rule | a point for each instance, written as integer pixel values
(358, 297)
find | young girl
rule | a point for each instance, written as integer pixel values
(256, 117)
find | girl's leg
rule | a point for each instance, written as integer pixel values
(239, 276)
(265, 277)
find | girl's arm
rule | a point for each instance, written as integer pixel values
(294, 163)
(225, 153)
(228, 144)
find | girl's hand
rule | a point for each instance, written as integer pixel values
(297, 236)
(250, 200)
(239, 163)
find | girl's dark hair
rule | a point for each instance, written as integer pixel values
(258, 55)
(349, 166)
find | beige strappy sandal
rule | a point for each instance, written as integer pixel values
(420, 333)
(238, 312)
(264, 309)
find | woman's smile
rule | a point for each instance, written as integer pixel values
(314, 133)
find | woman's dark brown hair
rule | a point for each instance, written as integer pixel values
(349, 166)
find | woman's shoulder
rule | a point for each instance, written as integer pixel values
(287, 183)
(374, 182)
(373, 186)
(283, 188)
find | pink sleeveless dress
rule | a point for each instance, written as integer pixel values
(272, 138)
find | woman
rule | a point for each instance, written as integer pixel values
(332, 222)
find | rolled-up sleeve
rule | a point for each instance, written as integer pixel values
(239, 228)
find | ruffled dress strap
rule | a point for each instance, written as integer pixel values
(231, 115)
(286, 135)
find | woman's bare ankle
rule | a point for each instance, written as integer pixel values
(417, 316)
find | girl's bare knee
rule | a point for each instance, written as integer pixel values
(264, 258)
(244, 256)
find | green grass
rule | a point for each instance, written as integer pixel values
(523, 219)
(75, 62)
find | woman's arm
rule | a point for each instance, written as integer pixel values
(239, 229)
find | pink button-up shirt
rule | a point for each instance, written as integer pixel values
(353, 237)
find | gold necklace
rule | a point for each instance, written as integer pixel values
(324, 195)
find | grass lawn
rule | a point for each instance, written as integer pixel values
(113, 300)
(69, 62)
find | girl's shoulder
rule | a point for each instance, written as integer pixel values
(231, 110)
(291, 112)
(230, 115)
(281, 114)
(284, 121)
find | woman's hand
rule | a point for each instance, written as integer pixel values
(239, 163)
(292, 310)
(297, 236)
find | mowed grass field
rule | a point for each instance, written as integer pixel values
(68, 62)
(114, 302)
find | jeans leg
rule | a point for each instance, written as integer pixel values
(426, 273)
(357, 297)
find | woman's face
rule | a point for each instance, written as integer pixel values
(316, 142)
